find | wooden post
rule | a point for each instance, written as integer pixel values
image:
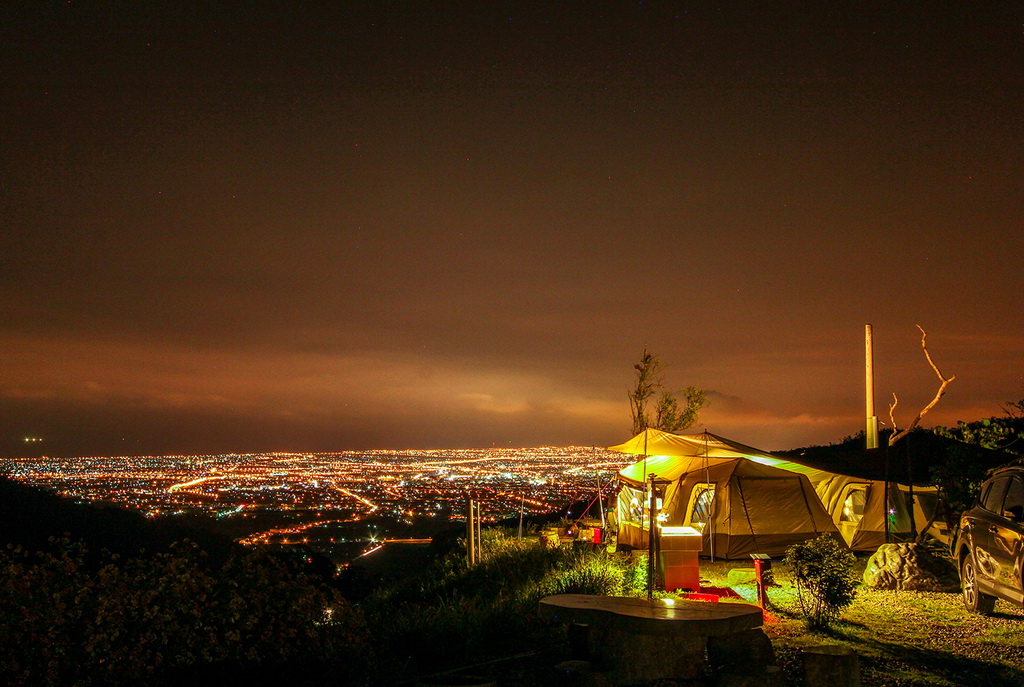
(522, 507)
(831, 666)
(479, 532)
(470, 535)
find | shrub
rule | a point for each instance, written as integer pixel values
(143, 619)
(823, 571)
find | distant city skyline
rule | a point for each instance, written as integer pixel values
(330, 501)
(330, 226)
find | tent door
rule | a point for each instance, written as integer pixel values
(851, 512)
(698, 510)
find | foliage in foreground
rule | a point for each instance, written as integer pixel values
(822, 570)
(457, 613)
(142, 620)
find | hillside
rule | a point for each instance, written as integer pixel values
(30, 516)
(910, 460)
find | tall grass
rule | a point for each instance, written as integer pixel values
(457, 614)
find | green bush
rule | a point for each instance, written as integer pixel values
(823, 571)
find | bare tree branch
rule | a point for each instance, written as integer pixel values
(896, 436)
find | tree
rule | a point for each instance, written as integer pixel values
(960, 476)
(669, 414)
(1014, 409)
(943, 383)
(994, 433)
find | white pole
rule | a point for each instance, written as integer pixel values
(869, 389)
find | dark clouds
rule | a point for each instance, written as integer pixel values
(331, 225)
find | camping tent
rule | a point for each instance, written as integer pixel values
(854, 493)
(715, 485)
(857, 505)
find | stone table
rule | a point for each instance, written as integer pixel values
(642, 640)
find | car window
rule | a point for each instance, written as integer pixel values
(1014, 499)
(992, 498)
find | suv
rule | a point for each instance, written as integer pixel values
(990, 545)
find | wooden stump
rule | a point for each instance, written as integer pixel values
(831, 666)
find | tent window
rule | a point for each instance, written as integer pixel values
(633, 501)
(853, 506)
(701, 499)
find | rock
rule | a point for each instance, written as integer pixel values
(742, 576)
(910, 567)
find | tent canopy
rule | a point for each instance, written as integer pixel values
(663, 451)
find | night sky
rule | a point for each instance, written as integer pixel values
(313, 226)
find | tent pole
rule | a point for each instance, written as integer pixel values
(910, 486)
(645, 487)
(888, 529)
(707, 480)
(652, 567)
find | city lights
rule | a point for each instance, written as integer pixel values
(310, 499)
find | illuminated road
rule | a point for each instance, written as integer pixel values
(184, 485)
(264, 537)
(373, 506)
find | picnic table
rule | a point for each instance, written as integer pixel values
(642, 640)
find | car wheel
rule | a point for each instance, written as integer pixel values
(974, 600)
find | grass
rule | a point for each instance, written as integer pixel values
(903, 638)
(456, 616)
